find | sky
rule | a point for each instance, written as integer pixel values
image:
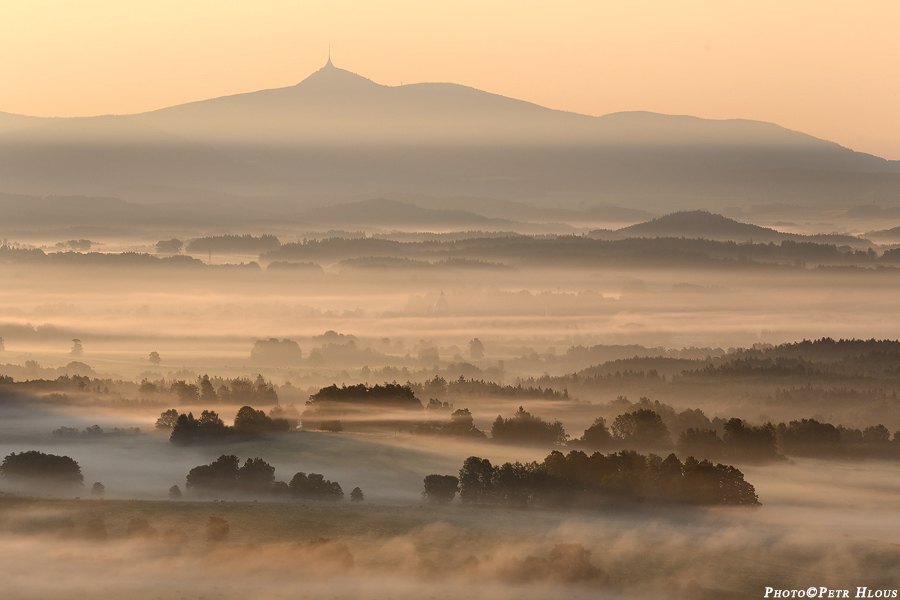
(823, 67)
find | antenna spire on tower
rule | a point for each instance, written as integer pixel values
(329, 63)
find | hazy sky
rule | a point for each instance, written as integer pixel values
(823, 67)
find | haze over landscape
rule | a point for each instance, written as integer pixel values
(363, 338)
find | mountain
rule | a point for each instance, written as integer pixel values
(338, 134)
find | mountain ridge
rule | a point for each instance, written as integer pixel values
(338, 133)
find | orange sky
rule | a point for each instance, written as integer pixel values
(826, 68)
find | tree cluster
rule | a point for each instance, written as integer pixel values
(528, 429)
(592, 481)
(226, 475)
(740, 442)
(315, 487)
(209, 428)
(460, 423)
(276, 353)
(440, 488)
(389, 395)
(34, 467)
(93, 431)
(239, 390)
(359, 403)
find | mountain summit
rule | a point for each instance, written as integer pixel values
(333, 105)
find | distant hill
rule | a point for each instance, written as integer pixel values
(710, 226)
(701, 224)
(337, 133)
(885, 236)
(10, 122)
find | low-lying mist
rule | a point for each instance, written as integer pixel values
(377, 549)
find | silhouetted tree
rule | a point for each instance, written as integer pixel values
(221, 475)
(691, 418)
(174, 493)
(208, 428)
(172, 246)
(356, 495)
(701, 443)
(436, 406)
(265, 391)
(249, 420)
(66, 432)
(276, 353)
(207, 393)
(476, 480)
(211, 420)
(154, 358)
(461, 421)
(167, 419)
(642, 428)
(513, 484)
(440, 488)
(877, 435)
(525, 428)
(476, 348)
(597, 436)
(315, 486)
(256, 476)
(77, 348)
(93, 431)
(808, 437)
(187, 392)
(750, 443)
(98, 489)
(705, 483)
